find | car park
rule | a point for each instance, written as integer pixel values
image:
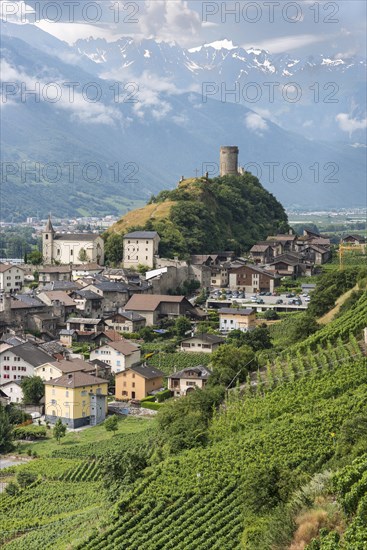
(279, 301)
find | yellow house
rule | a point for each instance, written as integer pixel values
(77, 398)
(237, 319)
(55, 369)
(138, 382)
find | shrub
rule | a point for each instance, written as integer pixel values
(30, 433)
(149, 399)
(163, 395)
(12, 488)
(25, 478)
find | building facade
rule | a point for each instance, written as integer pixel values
(140, 248)
(11, 278)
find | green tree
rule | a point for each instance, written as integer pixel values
(230, 361)
(59, 430)
(111, 423)
(182, 325)
(82, 256)
(114, 248)
(147, 334)
(33, 389)
(5, 431)
(35, 257)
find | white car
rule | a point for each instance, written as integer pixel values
(307, 299)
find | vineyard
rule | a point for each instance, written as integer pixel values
(200, 499)
(172, 362)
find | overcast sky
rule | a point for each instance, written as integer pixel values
(336, 28)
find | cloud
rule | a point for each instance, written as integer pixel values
(15, 11)
(349, 124)
(288, 43)
(77, 105)
(255, 123)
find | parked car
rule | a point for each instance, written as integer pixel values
(268, 294)
(279, 302)
(241, 295)
(262, 293)
(254, 299)
(307, 299)
(260, 301)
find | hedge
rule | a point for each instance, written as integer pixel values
(30, 432)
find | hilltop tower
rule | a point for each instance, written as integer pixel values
(48, 235)
(228, 161)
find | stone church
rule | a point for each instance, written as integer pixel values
(71, 248)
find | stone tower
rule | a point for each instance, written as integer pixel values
(228, 161)
(48, 242)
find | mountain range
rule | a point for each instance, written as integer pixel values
(133, 118)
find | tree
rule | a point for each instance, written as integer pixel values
(5, 431)
(82, 256)
(230, 361)
(147, 334)
(35, 257)
(114, 247)
(182, 325)
(111, 423)
(33, 389)
(59, 430)
(25, 478)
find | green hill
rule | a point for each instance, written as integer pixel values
(203, 216)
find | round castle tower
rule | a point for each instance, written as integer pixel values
(228, 161)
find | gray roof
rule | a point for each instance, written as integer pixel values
(76, 236)
(52, 347)
(141, 235)
(199, 372)
(88, 294)
(111, 286)
(61, 285)
(205, 337)
(65, 332)
(147, 371)
(239, 311)
(31, 354)
(84, 320)
(132, 316)
(30, 300)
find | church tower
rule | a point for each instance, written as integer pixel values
(48, 235)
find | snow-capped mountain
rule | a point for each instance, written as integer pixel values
(150, 124)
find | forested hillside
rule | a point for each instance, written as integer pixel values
(203, 216)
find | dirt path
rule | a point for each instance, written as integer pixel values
(340, 301)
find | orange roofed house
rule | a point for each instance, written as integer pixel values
(138, 382)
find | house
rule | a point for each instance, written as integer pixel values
(114, 294)
(68, 337)
(88, 302)
(119, 355)
(219, 276)
(138, 381)
(62, 304)
(11, 278)
(71, 248)
(77, 399)
(20, 361)
(202, 342)
(186, 380)
(251, 278)
(317, 254)
(55, 273)
(85, 324)
(154, 307)
(126, 321)
(262, 253)
(237, 319)
(4, 399)
(291, 264)
(353, 239)
(13, 391)
(55, 369)
(140, 248)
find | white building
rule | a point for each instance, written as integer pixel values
(140, 248)
(13, 390)
(20, 361)
(11, 278)
(71, 248)
(119, 355)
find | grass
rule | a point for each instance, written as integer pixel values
(155, 211)
(88, 435)
(340, 301)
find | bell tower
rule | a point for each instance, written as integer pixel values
(48, 235)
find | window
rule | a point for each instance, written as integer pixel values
(53, 401)
(83, 414)
(133, 384)
(124, 384)
(53, 413)
(66, 393)
(53, 392)
(71, 252)
(133, 374)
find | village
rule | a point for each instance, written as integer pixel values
(82, 327)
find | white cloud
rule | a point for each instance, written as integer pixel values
(77, 105)
(288, 43)
(255, 123)
(15, 11)
(359, 145)
(349, 124)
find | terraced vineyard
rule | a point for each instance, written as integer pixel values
(199, 499)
